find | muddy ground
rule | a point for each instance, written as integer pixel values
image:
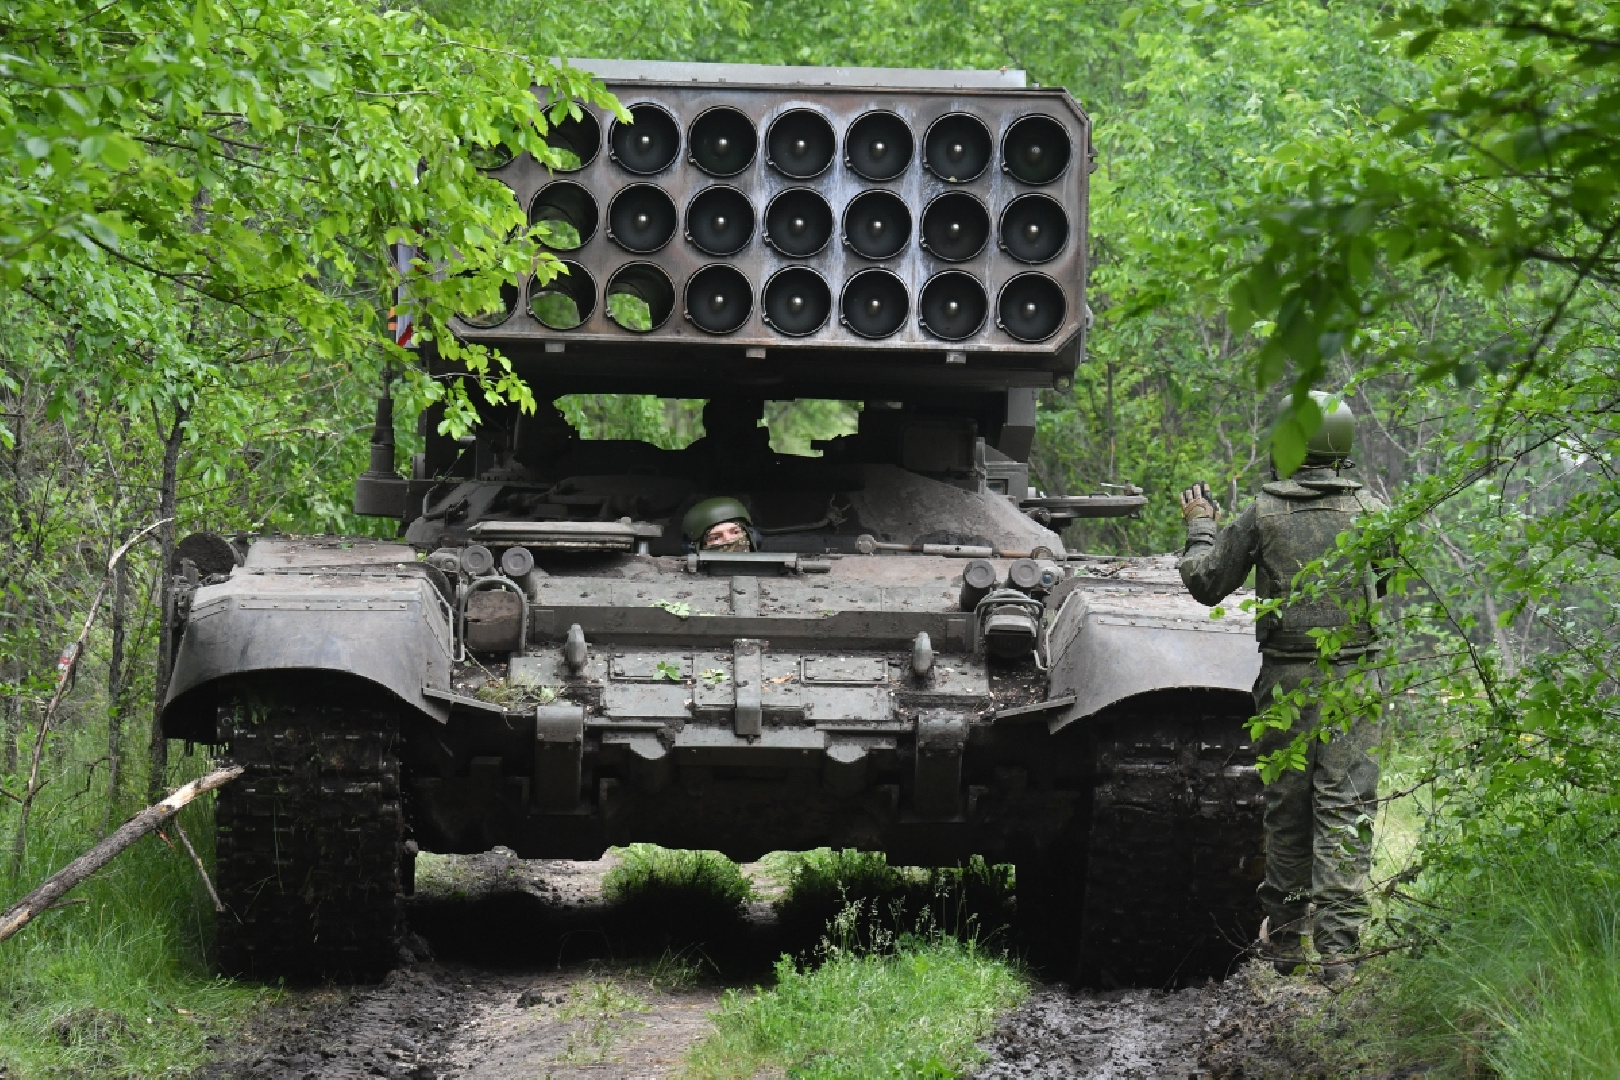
(520, 971)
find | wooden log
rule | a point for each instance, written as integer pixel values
(61, 882)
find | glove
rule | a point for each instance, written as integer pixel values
(1197, 502)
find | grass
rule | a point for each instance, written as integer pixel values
(900, 982)
(971, 902)
(603, 1011)
(1525, 982)
(914, 1012)
(119, 985)
(895, 977)
(1522, 980)
(667, 899)
(669, 876)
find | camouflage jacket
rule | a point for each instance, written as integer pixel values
(1290, 524)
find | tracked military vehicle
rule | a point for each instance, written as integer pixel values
(908, 660)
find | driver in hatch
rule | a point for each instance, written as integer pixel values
(719, 524)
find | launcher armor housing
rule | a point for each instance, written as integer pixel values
(910, 662)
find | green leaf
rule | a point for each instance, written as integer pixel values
(1421, 42)
(1288, 446)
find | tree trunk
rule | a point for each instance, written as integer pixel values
(116, 680)
(159, 747)
(13, 667)
(12, 726)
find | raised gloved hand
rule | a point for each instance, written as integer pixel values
(1197, 502)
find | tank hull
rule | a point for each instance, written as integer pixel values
(755, 712)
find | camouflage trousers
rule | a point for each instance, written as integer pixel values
(1318, 822)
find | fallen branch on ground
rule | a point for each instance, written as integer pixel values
(208, 883)
(59, 883)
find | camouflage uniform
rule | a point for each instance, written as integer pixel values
(1315, 851)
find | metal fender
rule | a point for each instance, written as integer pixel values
(393, 630)
(1105, 648)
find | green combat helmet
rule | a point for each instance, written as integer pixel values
(1331, 443)
(710, 512)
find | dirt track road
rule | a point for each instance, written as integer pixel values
(525, 986)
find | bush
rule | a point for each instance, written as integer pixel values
(649, 873)
(666, 898)
(971, 902)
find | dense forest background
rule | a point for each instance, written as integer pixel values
(1416, 207)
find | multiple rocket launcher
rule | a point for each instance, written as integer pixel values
(861, 220)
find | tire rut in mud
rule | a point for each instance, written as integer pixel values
(399, 1030)
(1239, 1029)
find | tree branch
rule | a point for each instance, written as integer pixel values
(64, 880)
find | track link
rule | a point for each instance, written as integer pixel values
(1176, 846)
(309, 839)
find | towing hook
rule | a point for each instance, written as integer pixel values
(575, 650)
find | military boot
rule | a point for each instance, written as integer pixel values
(1336, 971)
(1285, 949)
(1337, 938)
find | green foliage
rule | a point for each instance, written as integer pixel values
(1518, 978)
(651, 29)
(1502, 176)
(117, 983)
(913, 1012)
(196, 210)
(668, 423)
(653, 876)
(673, 423)
(796, 425)
(250, 167)
(972, 902)
(630, 312)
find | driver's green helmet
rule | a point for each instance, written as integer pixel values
(1332, 442)
(710, 512)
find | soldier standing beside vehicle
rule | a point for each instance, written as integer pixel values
(1317, 821)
